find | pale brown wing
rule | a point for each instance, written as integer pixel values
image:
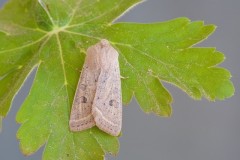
(107, 104)
(81, 117)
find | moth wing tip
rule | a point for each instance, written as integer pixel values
(72, 126)
(100, 120)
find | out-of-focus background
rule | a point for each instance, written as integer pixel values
(197, 130)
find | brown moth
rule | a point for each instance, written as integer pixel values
(98, 99)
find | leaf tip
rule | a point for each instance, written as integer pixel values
(167, 112)
(226, 91)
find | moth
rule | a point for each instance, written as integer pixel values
(98, 99)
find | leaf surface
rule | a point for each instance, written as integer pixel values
(52, 36)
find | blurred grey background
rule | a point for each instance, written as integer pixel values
(197, 130)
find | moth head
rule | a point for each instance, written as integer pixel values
(104, 43)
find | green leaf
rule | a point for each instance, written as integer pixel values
(52, 36)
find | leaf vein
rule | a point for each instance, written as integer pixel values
(95, 18)
(24, 46)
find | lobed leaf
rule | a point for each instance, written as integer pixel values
(52, 36)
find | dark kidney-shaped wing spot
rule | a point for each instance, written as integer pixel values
(83, 87)
(83, 99)
(112, 102)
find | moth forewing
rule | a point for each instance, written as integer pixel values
(107, 103)
(81, 114)
(98, 97)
